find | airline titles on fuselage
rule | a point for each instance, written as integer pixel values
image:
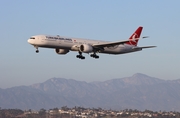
(57, 38)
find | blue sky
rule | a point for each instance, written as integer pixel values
(102, 20)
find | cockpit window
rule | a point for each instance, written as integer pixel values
(32, 38)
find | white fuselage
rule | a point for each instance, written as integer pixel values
(72, 44)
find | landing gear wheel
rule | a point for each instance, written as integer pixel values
(97, 57)
(82, 57)
(37, 51)
(94, 56)
(77, 56)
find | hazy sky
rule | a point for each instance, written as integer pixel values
(103, 20)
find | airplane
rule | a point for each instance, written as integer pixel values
(63, 45)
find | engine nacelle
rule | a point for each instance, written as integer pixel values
(61, 51)
(86, 48)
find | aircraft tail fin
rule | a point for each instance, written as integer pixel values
(134, 38)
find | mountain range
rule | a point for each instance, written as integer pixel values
(136, 92)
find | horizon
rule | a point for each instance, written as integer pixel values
(92, 81)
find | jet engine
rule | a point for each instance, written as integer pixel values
(86, 48)
(61, 51)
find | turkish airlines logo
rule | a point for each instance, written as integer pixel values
(134, 36)
(134, 39)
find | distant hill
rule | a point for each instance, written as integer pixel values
(136, 92)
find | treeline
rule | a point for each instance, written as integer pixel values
(80, 112)
(10, 113)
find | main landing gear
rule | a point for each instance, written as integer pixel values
(94, 56)
(80, 56)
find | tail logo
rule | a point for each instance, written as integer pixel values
(134, 37)
(133, 40)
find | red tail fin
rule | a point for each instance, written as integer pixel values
(136, 34)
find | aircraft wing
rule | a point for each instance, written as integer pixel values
(110, 44)
(115, 43)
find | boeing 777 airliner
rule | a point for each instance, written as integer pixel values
(63, 45)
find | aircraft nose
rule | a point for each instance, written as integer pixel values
(30, 41)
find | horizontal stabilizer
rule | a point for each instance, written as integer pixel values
(144, 47)
(145, 37)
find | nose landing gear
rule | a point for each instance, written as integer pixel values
(37, 51)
